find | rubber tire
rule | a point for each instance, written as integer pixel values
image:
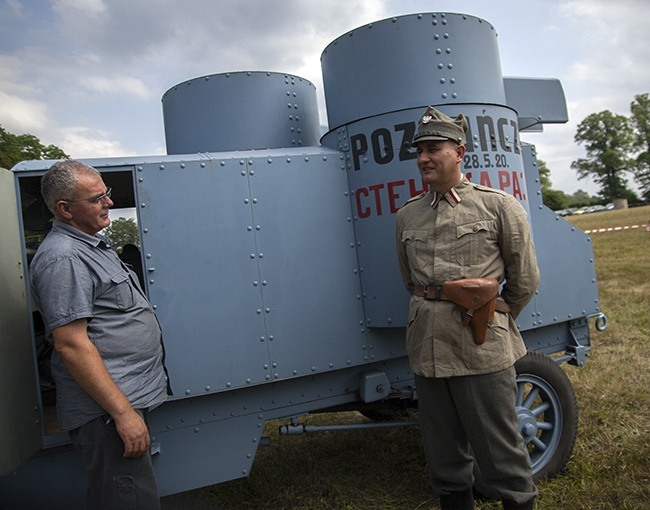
(555, 404)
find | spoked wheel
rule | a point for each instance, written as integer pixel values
(548, 413)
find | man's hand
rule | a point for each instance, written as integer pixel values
(134, 434)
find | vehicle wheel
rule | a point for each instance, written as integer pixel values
(548, 413)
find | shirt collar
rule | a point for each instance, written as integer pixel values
(71, 231)
(452, 196)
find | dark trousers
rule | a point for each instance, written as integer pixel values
(472, 420)
(114, 482)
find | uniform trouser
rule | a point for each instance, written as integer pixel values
(472, 419)
(113, 481)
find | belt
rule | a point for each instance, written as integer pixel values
(434, 293)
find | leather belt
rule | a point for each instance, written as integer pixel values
(434, 293)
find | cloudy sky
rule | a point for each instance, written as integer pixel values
(88, 75)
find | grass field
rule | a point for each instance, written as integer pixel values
(385, 469)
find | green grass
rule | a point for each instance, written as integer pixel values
(385, 469)
(610, 467)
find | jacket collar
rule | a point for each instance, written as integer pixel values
(453, 196)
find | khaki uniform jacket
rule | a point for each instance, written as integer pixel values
(472, 232)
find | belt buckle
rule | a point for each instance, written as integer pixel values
(436, 294)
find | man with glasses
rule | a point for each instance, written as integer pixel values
(108, 355)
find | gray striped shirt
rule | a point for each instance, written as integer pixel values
(74, 276)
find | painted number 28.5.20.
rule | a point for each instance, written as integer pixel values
(488, 161)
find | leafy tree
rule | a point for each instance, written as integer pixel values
(122, 231)
(17, 148)
(581, 199)
(640, 119)
(553, 199)
(609, 141)
(544, 175)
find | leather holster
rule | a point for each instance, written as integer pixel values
(476, 299)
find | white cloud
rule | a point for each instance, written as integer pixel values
(117, 85)
(609, 49)
(15, 7)
(86, 7)
(19, 115)
(85, 142)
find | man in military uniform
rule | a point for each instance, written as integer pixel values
(452, 240)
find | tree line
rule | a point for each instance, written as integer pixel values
(617, 148)
(17, 148)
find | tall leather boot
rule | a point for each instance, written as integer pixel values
(511, 505)
(458, 501)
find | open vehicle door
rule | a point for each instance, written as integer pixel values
(20, 428)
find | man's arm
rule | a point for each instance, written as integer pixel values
(522, 273)
(402, 258)
(86, 366)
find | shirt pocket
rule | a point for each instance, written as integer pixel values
(123, 291)
(415, 243)
(472, 240)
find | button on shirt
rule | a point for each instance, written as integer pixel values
(469, 232)
(76, 276)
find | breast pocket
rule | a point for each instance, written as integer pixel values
(123, 291)
(472, 239)
(415, 243)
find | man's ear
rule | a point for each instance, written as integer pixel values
(460, 152)
(64, 209)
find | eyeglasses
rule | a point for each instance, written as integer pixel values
(94, 200)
